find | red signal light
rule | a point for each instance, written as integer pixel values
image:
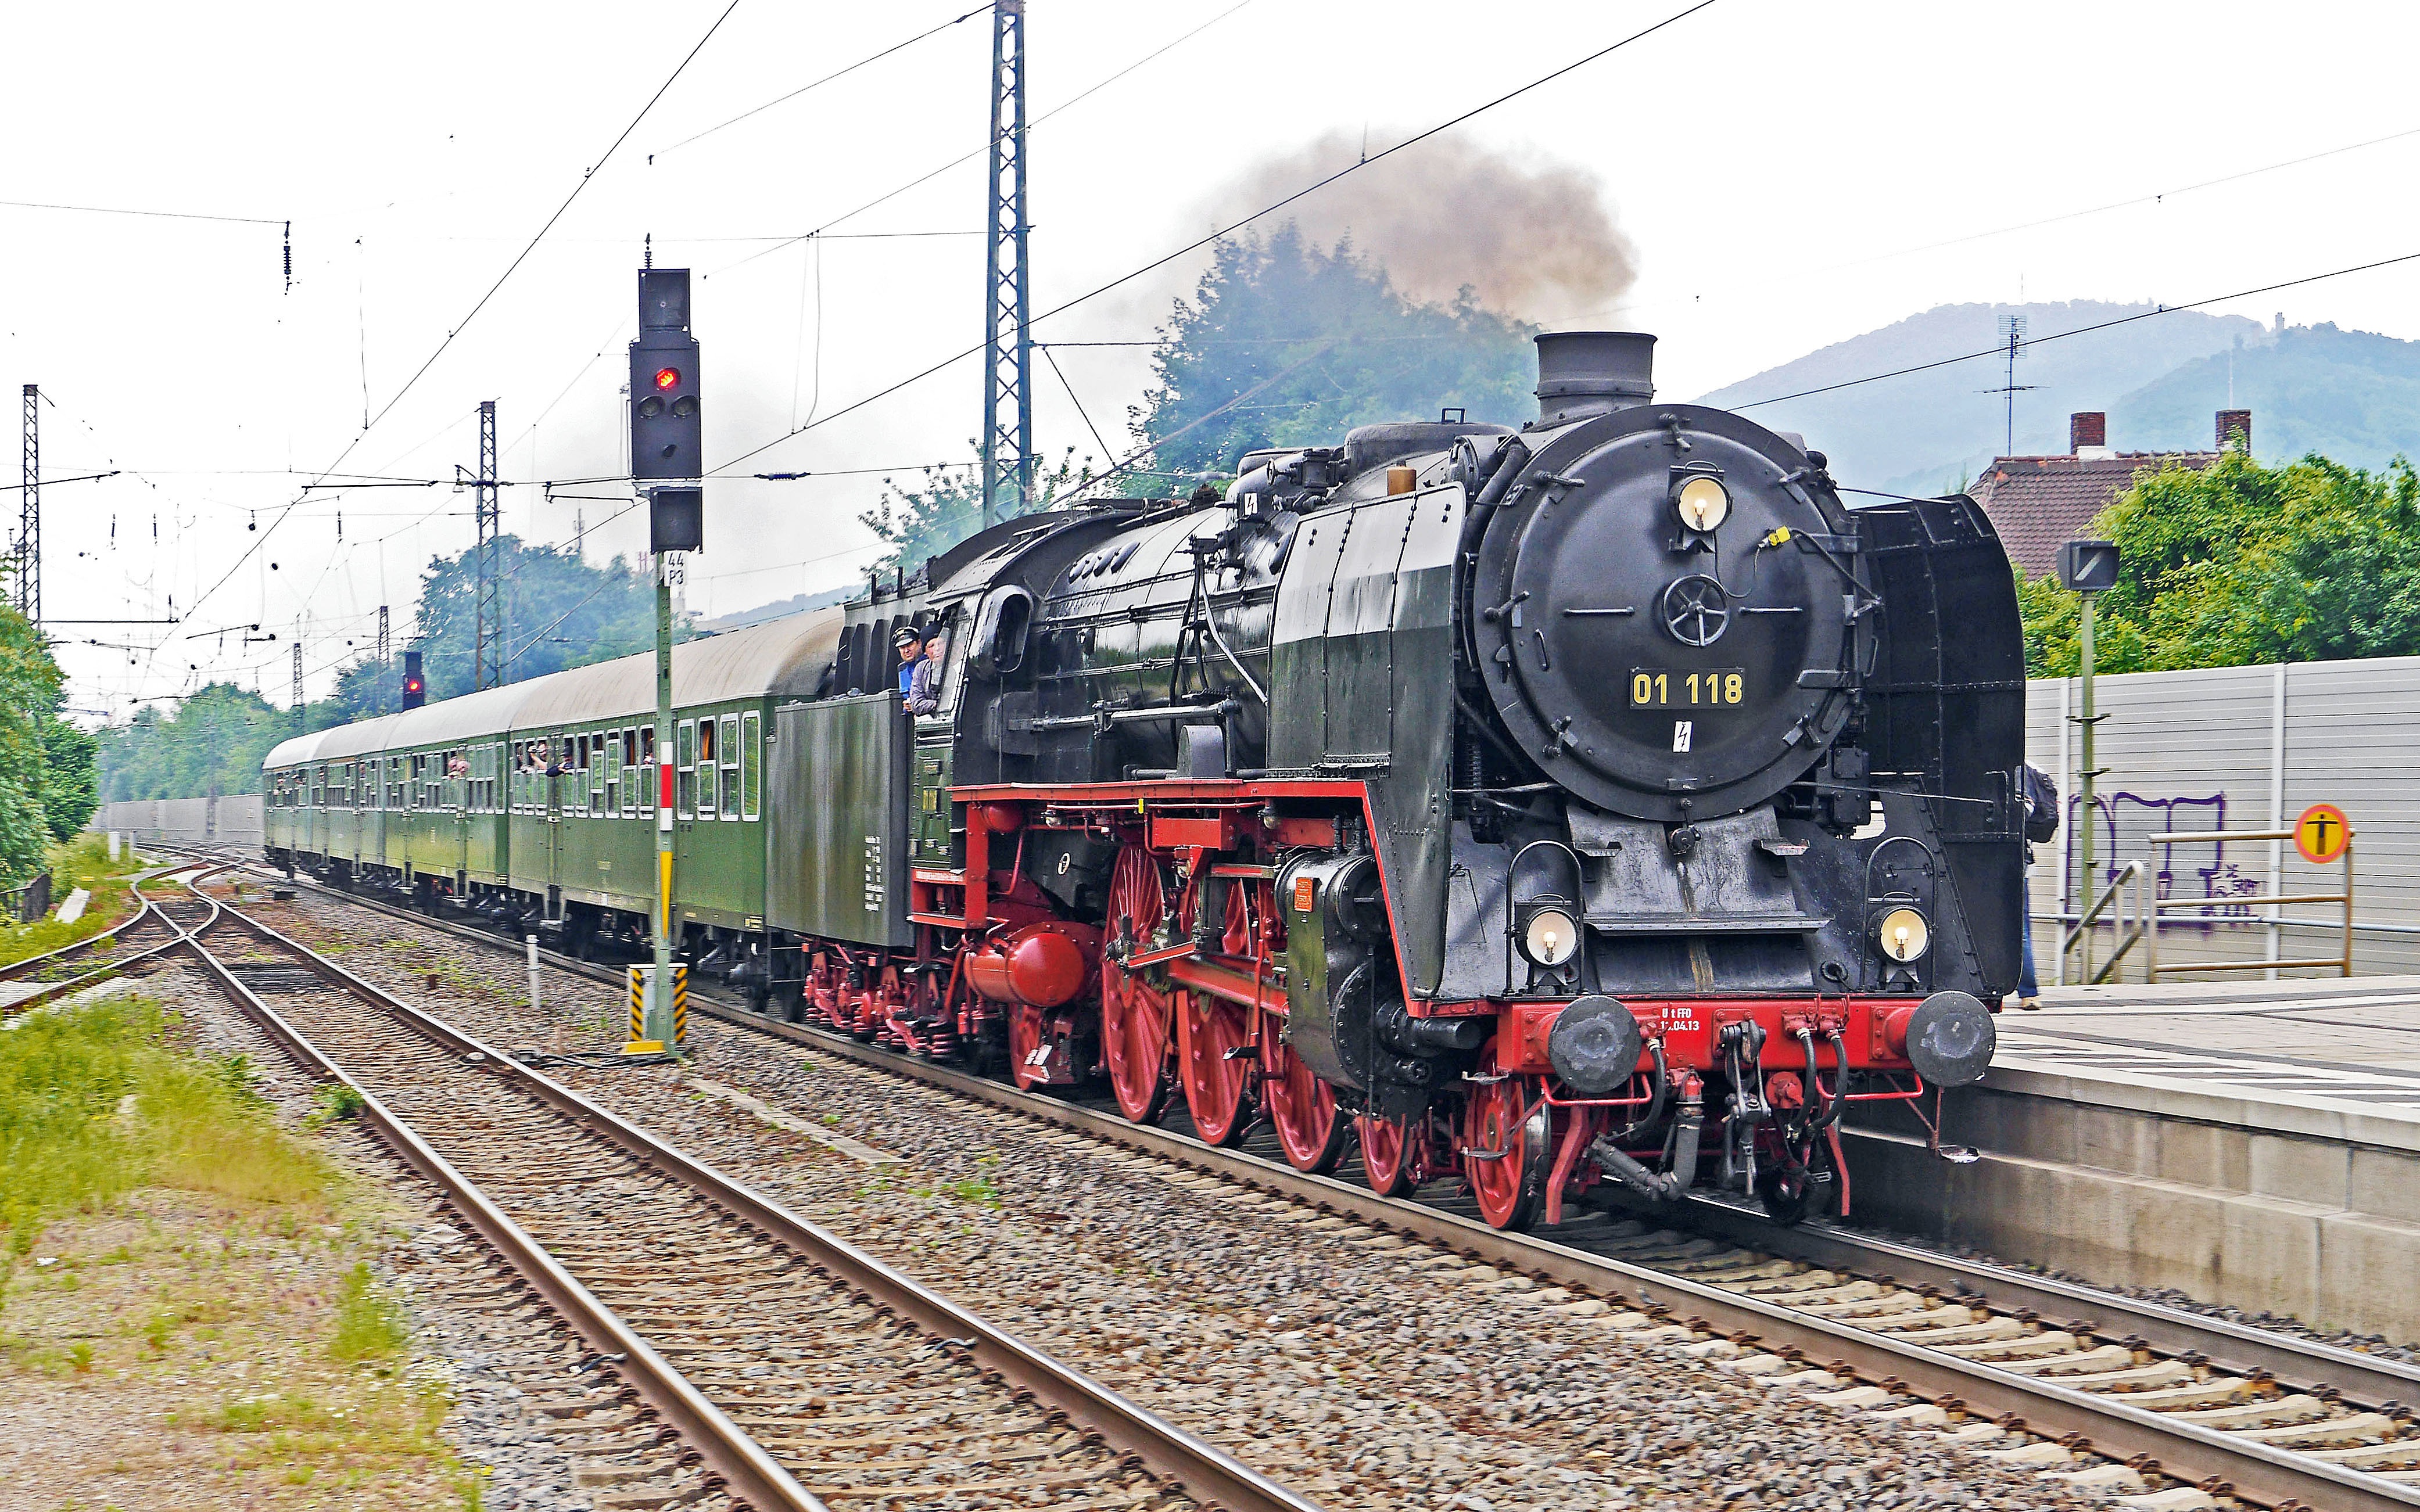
(412, 685)
(667, 378)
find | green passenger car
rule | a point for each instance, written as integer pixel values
(534, 805)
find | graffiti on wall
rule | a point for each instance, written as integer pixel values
(2122, 825)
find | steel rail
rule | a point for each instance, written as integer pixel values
(2258, 1472)
(742, 1466)
(16, 969)
(2231, 1347)
(179, 938)
(1205, 1473)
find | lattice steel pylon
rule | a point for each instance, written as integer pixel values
(384, 656)
(1008, 363)
(29, 519)
(298, 680)
(488, 651)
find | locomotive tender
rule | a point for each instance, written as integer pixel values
(1600, 801)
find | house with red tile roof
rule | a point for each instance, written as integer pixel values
(2039, 504)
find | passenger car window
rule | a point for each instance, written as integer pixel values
(729, 746)
(751, 762)
(706, 745)
(684, 757)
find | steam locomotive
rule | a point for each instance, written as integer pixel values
(1600, 801)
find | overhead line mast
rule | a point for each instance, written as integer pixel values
(29, 519)
(1008, 366)
(488, 649)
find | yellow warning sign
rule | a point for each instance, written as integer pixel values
(2322, 833)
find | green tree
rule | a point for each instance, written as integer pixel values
(1300, 345)
(205, 746)
(2242, 563)
(945, 506)
(72, 787)
(46, 764)
(558, 612)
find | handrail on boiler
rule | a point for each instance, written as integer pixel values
(2342, 962)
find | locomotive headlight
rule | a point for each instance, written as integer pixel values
(1903, 934)
(1550, 936)
(1702, 502)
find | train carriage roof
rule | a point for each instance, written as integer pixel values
(783, 657)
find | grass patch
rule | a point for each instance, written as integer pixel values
(369, 1323)
(92, 1104)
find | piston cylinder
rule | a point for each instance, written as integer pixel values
(1041, 965)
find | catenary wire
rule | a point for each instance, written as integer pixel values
(585, 179)
(1225, 231)
(808, 88)
(968, 157)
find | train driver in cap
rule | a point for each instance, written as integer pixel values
(911, 649)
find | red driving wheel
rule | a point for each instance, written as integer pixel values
(1303, 1108)
(1208, 1032)
(1134, 1015)
(1386, 1156)
(1505, 1151)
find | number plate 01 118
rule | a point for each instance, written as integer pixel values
(1716, 687)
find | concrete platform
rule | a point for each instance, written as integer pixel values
(2254, 1143)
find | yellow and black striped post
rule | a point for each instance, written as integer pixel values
(639, 1043)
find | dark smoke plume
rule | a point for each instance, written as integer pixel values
(1533, 240)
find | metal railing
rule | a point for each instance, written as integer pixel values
(2342, 962)
(2082, 933)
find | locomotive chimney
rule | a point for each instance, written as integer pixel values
(1593, 372)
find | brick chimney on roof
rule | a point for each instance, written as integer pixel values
(2086, 427)
(2235, 430)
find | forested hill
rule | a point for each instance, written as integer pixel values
(1924, 432)
(2353, 396)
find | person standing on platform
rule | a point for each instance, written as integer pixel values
(2041, 795)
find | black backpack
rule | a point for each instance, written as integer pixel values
(2040, 796)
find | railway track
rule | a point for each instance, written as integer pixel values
(2174, 1407)
(148, 934)
(784, 1368)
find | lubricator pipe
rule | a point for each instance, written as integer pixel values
(1655, 1112)
(1839, 1078)
(1822, 1100)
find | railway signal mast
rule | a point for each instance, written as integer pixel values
(1008, 359)
(666, 443)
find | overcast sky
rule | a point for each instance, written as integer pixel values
(1790, 173)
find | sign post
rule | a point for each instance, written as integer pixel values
(2087, 568)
